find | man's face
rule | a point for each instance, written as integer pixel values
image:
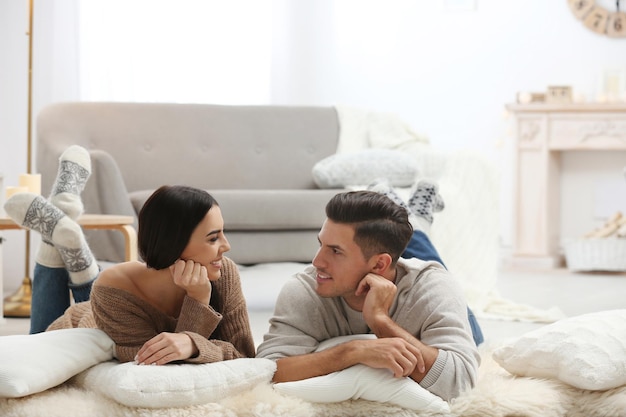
(340, 263)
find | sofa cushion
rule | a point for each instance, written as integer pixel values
(264, 209)
(261, 246)
(363, 167)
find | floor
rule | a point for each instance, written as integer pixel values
(572, 293)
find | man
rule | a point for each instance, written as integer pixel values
(358, 284)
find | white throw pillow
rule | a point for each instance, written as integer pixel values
(363, 382)
(34, 363)
(586, 351)
(175, 385)
(363, 167)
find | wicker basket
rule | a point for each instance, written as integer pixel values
(596, 254)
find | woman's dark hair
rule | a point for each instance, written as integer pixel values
(380, 225)
(167, 220)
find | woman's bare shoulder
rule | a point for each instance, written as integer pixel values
(122, 275)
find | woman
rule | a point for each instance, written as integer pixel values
(184, 304)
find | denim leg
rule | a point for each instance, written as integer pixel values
(50, 296)
(81, 292)
(477, 332)
(422, 248)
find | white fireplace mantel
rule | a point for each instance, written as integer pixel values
(543, 132)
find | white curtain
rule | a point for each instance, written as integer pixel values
(185, 51)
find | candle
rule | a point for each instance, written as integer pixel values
(524, 97)
(32, 182)
(15, 190)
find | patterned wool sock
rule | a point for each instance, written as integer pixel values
(35, 213)
(48, 255)
(424, 201)
(381, 186)
(73, 173)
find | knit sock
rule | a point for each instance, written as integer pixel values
(74, 170)
(424, 201)
(35, 213)
(48, 255)
(381, 186)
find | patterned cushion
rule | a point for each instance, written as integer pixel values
(363, 167)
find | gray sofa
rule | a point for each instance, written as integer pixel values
(255, 160)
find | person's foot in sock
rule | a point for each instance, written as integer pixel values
(381, 186)
(424, 201)
(35, 213)
(73, 173)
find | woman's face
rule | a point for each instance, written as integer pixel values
(208, 243)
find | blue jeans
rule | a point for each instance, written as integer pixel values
(422, 248)
(51, 296)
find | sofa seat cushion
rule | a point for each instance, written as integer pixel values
(264, 209)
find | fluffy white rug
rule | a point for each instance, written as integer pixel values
(497, 394)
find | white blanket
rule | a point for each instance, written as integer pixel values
(362, 129)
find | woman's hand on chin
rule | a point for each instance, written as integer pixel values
(193, 278)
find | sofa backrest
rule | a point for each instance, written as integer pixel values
(201, 145)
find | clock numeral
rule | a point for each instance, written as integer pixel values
(580, 7)
(617, 25)
(597, 19)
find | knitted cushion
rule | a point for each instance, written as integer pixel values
(365, 166)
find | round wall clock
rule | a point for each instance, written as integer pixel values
(603, 17)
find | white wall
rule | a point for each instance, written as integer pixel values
(448, 73)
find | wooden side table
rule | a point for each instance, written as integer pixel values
(123, 224)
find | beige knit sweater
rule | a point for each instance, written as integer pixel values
(220, 330)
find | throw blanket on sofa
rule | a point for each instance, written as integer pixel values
(361, 129)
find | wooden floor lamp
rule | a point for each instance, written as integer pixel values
(18, 304)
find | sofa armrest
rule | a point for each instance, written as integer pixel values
(106, 193)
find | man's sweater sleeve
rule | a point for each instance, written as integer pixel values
(438, 305)
(298, 323)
